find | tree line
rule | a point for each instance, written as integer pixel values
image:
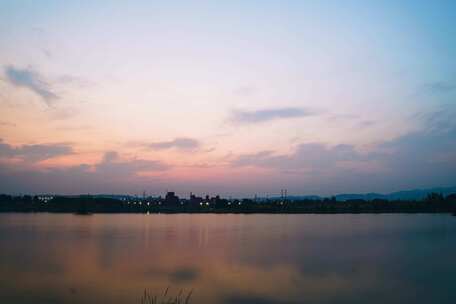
(86, 204)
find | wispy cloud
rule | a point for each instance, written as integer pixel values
(111, 174)
(357, 121)
(62, 112)
(7, 124)
(32, 80)
(82, 127)
(439, 120)
(439, 87)
(307, 157)
(34, 153)
(421, 158)
(180, 143)
(75, 81)
(263, 115)
(366, 123)
(112, 165)
(244, 91)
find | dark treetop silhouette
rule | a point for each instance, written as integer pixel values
(86, 204)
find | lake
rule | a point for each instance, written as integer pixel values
(228, 258)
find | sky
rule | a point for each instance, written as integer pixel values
(227, 97)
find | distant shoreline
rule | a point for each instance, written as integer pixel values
(230, 212)
(85, 205)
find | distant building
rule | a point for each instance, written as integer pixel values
(195, 201)
(171, 199)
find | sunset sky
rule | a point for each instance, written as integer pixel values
(227, 97)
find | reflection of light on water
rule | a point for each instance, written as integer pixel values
(224, 258)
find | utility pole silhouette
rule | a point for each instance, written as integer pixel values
(283, 194)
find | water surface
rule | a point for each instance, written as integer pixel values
(64, 258)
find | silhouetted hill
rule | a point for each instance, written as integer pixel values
(416, 194)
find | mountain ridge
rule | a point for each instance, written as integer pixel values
(414, 194)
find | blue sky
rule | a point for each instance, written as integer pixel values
(317, 96)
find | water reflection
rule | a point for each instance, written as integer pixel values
(46, 258)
